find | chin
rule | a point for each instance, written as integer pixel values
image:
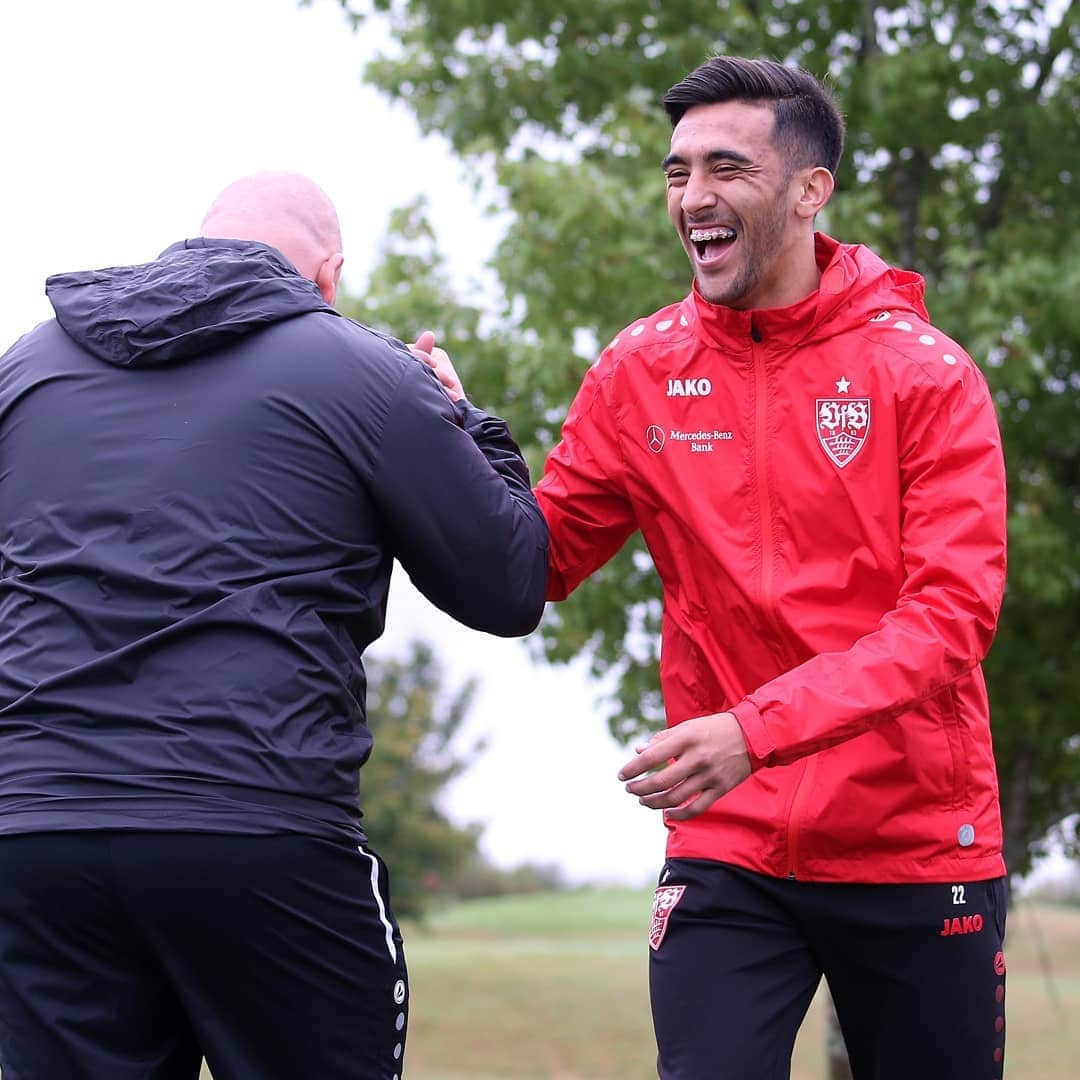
(722, 296)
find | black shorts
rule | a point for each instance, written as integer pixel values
(130, 956)
(916, 972)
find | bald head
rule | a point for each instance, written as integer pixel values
(289, 212)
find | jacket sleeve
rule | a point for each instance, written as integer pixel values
(587, 511)
(454, 491)
(952, 528)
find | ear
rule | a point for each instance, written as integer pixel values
(328, 275)
(813, 190)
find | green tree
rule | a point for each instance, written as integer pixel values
(416, 724)
(961, 162)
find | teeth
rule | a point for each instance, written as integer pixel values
(722, 233)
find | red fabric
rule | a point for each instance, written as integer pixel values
(836, 587)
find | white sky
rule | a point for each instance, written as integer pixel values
(122, 119)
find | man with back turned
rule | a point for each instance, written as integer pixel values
(206, 475)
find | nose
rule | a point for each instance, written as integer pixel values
(698, 194)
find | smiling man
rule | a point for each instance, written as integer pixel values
(817, 473)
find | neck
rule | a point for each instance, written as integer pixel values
(795, 275)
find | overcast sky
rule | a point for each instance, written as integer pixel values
(122, 119)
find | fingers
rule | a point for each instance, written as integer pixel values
(673, 795)
(694, 807)
(425, 342)
(444, 371)
(438, 360)
(656, 737)
(663, 779)
(650, 755)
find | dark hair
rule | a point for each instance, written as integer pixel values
(809, 126)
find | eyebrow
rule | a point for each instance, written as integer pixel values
(711, 156)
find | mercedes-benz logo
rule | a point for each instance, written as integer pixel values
(654, 436)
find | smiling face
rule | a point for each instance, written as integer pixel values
(740, 207)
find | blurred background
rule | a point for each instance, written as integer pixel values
(495, 167)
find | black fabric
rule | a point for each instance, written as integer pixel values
(916, 973)
(129, 956)
(196, 543)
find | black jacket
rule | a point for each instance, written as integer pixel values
(205, 474)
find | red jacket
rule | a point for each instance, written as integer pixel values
(822, 491)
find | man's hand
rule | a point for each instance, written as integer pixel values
(698, 761)
(439, 362)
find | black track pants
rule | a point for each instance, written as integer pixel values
(917, 973)
(128, 956)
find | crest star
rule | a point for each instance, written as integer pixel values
(842, 385)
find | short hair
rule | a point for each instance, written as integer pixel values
(809, 126)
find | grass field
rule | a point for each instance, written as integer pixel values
(553, 987)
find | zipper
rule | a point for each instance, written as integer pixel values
(762, 478)
(764, 497)
(766, 583)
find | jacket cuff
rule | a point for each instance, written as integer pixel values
(758, 743)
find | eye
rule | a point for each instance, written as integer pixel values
(677, 176)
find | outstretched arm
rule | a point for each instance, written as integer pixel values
(454, 490)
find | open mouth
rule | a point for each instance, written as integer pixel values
(712, 242)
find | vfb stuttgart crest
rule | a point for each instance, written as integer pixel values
(842, 427)
(664, 901)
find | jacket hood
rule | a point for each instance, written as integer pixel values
(196, 296)
(856, 285)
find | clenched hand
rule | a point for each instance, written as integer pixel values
(438, 360)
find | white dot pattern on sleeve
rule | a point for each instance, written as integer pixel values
(638, 330)
(949, 359)
(665, 325)
(901, 325)
(926, 339)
